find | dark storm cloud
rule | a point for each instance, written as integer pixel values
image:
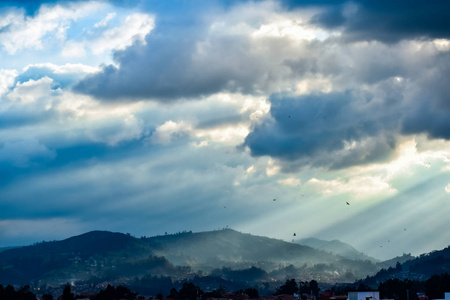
(387, 21)
(182, 58)
(428, 109)
(185, 58)
(333, 130)
(170, 67)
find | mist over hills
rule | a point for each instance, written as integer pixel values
(215, 257)
(337, 247)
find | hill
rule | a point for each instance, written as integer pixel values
(337, 247)
(116, 256)
(414, 268)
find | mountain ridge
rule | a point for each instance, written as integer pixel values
(336, 246)
(117, 257)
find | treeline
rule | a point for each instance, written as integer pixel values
(303, 288)
(188, 291)
(434, 287)
(193, 292)
(10, 293)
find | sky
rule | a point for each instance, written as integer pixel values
(268, 117)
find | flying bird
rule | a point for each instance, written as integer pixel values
(347, 203)
(274, 199)
(295, 234)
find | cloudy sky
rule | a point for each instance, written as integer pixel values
(149, 117)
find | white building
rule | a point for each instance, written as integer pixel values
(372, 295)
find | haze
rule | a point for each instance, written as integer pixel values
(327, 119)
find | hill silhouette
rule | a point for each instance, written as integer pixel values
(108, 256)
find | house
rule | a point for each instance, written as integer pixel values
(370, 295)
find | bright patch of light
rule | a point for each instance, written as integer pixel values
(442, 44)
(447, 188)
(272, 168)
(292, 181)
(229, 134)
(293, 29)
(250, 169)
(360, 186)
(408, 156)
(314, 84)
(169, 130)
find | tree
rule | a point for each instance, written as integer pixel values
(47, 297)
(111, 292)
(303, 288)
(25, 293)
(190, 291)
(398, 267)
(314, 288)
(252, 293)
(67, 293)
(289, 288)
(437, 285)
(173, 294)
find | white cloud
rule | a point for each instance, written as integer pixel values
(165, 133)
(442, 44)
(106, 20)
(408, 157)
(7, 78)
(65, 69)
(113, 131)
(233, 134)
(293, 29)
(134, 28)
(447, 188)
(355, 187)
(33, 91)
(272, 168)
(292, 181)
(250, 169)
(314, 84)
(29, 31)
